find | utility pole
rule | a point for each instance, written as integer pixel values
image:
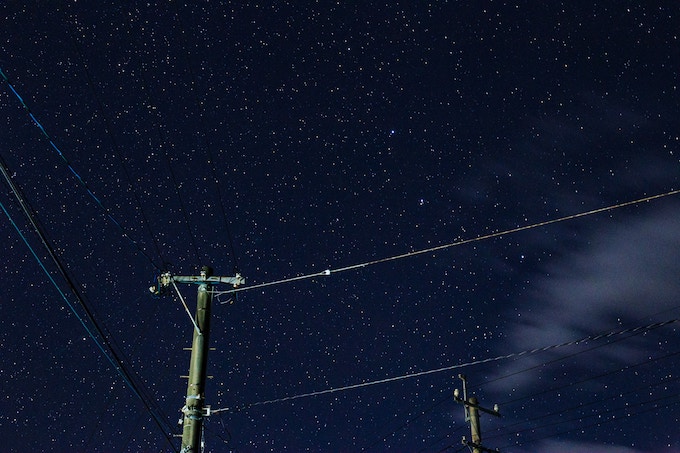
(472, 409)
(194, 409)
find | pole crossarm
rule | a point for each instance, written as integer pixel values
(166, 279)
(236, 281)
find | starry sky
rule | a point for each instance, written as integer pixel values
(280, 139)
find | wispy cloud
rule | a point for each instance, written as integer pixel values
(623, 275)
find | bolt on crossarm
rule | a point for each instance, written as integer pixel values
(195, 409)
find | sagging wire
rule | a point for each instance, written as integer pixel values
(589, 338)
(630, 410)
(579, 406)
(499, 434)
(71, 307)
(82, 182)
(173, 178)
(438, 248)
(106, 347)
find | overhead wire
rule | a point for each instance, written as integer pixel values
(583, 381)
(81, 180)
(131, 435)
(408, 422)
(73, 171)
(441, 439)
(42, 266)
(451, 446)
(141, 333)
(118, 153)
(543, 364)
(173, 178)
(29, 214)
(101, 339)
(562, 411)
(456, 451)
(628, 409)
(226, 441)
(182, 203)
(571, 384)
(429, 250)
(328, 272)
(527, 352)
(614, 338)
(128, 379)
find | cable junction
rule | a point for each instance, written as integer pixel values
(589, 338)
(328, 272)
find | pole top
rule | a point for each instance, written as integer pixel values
(166, 279)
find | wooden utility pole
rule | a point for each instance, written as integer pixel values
(472, 409)
(195, 409)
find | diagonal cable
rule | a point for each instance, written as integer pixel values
(610, 334)
(103, 342)
(82, 182)
(437, 248)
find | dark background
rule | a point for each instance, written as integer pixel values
(281, 140)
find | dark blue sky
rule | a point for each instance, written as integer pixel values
(284, 140)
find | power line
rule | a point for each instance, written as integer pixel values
(443, 438)
(570, 384)
(582, 381)
(111, 356)
(575, 407)
(105, 345)
(80, 319)
(499, 431)
(589, 338)
(635, 332)
(503, 431)
(141, 333)
(328, 272)
(82, 182)
(628, 410)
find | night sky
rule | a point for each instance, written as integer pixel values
(281, 141)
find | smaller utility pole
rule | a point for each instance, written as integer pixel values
(472, 409)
